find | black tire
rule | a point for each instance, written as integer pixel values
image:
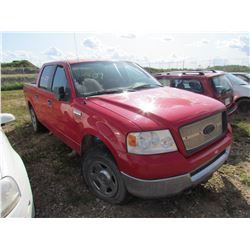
(102, 175)
(37, 126)
(244, 105)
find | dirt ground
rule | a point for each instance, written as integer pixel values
(59, 189)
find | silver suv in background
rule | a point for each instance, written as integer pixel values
(241, 92)
(243, 76)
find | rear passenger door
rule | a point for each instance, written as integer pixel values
(44, 94)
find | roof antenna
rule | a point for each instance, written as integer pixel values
(76, 48)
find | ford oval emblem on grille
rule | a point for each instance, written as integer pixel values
(208, 129)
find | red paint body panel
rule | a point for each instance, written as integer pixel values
(111, 117)
(205, 81)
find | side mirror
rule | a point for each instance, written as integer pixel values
(6, 118)
(60, 93)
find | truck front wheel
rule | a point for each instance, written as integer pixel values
(102, 175)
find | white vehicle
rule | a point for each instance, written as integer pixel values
(242, 75)
(241, 92)
(16, 195)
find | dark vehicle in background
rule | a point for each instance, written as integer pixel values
(241, 92)
(210, 83)
(243, 76)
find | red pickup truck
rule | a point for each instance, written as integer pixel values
(133, 135)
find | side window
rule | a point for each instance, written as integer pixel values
(188, 84)
(60, 80)
(242, 77)
(164, 82)
(46, 77)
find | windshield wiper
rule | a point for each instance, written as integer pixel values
(107, 91)
(121, 90)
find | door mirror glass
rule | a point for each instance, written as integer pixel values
(60, 85)
(59, 93)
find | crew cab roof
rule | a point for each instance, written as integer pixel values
(73, 61)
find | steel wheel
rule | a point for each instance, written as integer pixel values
(103, 176)
(37, 126)
(102, 179)
(33, 119)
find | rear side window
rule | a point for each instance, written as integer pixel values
(187, 84)
(164, 82)
(46, 77)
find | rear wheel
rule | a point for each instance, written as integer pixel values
(37, 126)
(244, 105)
(102, 175)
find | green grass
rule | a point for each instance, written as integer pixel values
(11, 76)
(228, 68)
(18, 64)
(242, 126)
(14, 70)
(12, 86)
(50, 168)
(245, 178)
(22, 78)
(16, 81)
(238, 165)
(13, 102)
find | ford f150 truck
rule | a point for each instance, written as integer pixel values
(133, 135)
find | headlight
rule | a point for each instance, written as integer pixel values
(151, 142)
(10, 195)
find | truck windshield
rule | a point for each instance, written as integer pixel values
(221, 84)
(105, 77)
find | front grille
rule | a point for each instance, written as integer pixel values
(200, 133)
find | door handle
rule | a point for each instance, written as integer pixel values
(36, 97)
(77, 112)
(49, 103)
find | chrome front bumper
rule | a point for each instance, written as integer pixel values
(173, 185)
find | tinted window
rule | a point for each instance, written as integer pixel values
(164, 82)
(187, 84)
(60, 80)
(46, 77)
(221, 84)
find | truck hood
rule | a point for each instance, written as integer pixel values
(159, 107)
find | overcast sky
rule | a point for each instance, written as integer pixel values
(158, 50)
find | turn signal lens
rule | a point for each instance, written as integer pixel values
(131, 139)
